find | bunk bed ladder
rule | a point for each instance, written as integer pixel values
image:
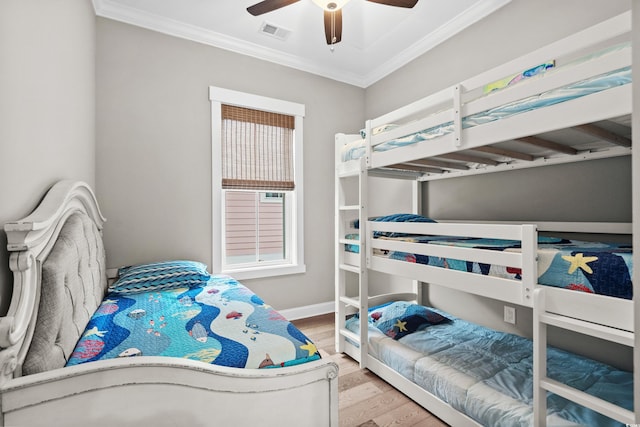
(349, 304)
(543, 384)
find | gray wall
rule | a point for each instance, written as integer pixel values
(154, 150)
(47, 105)
(550, 193)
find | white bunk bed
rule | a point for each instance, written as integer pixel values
(462, 131)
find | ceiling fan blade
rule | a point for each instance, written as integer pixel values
(398, 3)
(268, 6)
(333, 26)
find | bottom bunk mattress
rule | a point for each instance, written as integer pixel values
(219, 321)
(486, 374)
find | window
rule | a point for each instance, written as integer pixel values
(257, 185)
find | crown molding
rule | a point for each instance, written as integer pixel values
(449, 29)
(136, 17)
(115, 11)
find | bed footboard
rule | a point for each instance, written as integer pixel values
(165, 391)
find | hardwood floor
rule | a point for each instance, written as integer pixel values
(365, 400)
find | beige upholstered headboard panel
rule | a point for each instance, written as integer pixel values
(73, 285)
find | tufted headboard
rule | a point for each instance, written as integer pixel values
(58, 262)
(73, 285)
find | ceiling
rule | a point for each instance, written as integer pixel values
(376, 39)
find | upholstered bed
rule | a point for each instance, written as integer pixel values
(56, 367)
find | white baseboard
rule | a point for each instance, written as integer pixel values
(308, 310)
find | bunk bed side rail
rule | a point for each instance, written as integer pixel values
(506, 290)
(559, 226)
(468, 97)
(478, 230)
(585, 39)
(510, 290)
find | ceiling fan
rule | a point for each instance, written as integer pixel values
(332, 13)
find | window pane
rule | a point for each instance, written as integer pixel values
(254, 224)
(271, 227)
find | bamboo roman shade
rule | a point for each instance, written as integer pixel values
(257, 149)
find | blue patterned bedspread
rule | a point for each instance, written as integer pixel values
(600, 268)
(222, 323)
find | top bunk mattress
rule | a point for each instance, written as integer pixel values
(614, 78)
(221, 323)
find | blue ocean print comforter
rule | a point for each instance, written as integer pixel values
(223, 323)
(488, 374)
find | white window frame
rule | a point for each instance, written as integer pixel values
(294, 234)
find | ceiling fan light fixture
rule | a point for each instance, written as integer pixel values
(331, 5)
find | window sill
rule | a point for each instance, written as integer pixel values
(261, 272)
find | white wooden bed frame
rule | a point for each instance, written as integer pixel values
(142, 390)
(600, 316)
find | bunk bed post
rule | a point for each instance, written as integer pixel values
(539, 360)
(635, 183)
(368, 135)
(529, 261)
(365, 257)
(416, 204)
(457, 114)
(339, 272)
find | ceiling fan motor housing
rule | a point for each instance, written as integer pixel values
(331, 5)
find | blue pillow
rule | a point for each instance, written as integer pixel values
(401, 318)
(160, 275)
(401, 217)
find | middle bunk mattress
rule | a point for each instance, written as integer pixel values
(603, 268)
(220, 322)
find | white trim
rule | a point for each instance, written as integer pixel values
(233, 97)
(216, 192)
(294, 264)
(308, 310)
(255, 272)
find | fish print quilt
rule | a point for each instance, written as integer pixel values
(222, 323)
(599, 268)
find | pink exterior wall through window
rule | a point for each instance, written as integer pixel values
(254, 226)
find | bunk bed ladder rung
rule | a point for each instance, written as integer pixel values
(350, 335)
(349, 267)
(349, 207)
(602, 406)
(353, 302)
(349, 241)
(588, 328)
